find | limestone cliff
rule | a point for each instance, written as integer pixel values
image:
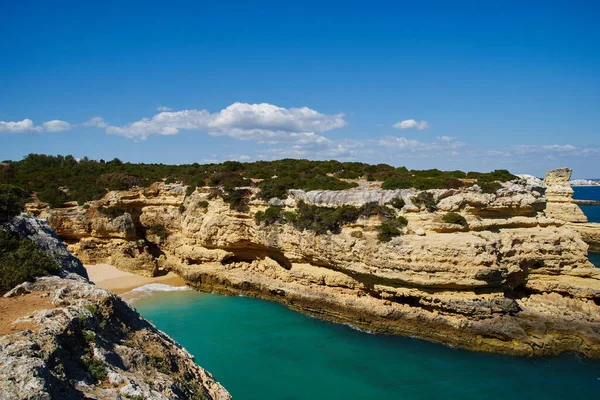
(62, 337)
(514, 280)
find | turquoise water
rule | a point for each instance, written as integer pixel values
(261, 350)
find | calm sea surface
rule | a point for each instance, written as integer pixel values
(589, 193)
(261, 350)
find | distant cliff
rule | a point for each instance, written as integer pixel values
(72, 340)
(503, 272)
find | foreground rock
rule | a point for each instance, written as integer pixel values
(515, 280)
(90, 344)
(74, 340)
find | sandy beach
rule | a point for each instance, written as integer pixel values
(108, 277)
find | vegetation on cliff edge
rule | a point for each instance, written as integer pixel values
(21, 260)
(57, 179)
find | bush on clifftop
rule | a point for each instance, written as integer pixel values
(12, 201)
(21, 260)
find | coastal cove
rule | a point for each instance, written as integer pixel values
(261, 350)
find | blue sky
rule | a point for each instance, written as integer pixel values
(508, 84)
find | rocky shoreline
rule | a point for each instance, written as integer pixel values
(72, 340)
(514, 280)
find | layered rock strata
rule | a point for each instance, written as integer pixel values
(515, 280)
(560, 197)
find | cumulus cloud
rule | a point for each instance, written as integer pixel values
(27, 126)
(96, 122)
(24, 126)
(411, 124)
(56, 125)
(163, 108)
(264, 123)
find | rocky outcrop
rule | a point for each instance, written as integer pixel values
(559, 194)
(514, 280)
(88, 343)
(40, 232)
(590, 233)
(62, 337)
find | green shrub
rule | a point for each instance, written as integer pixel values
(83, 193)
(397, 202)
(12, 201)
(89, 336)
(53, 196)
(356, 234)
(160, 231)
(390, 229)
(374, 209)
(489, 187)
(237, 199)
(324, 219)
(203, 204)
(425, 199)
(159, 363)
(189, 190)
(275, 188)
(227, 180)
(290, 216)
(21, 260)
(402, 221)
(326, 183)
(93, 366)
(118, 181)
(454, 218)
(269, 216)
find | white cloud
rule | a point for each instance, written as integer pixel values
(56, 125)
(411, 124)
(265, 123)
(27, 126)
(97, 122)
(412, 145)
(550, 151)
(163, 108)
(24, 126)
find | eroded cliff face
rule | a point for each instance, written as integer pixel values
(516, 280)
(62, 337)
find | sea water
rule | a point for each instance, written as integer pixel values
(589, 193)
(261, 350)
(591, 212)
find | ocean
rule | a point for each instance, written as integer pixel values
(589, 193)
(261, 350)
